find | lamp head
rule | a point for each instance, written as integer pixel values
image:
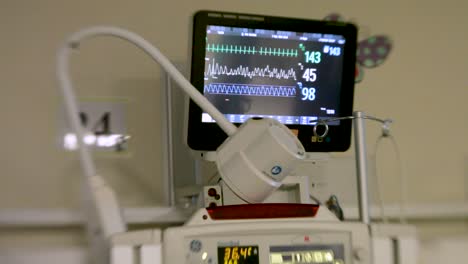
(254, 161)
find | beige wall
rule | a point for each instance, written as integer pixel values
(422, 85)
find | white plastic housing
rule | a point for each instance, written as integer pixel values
(180, 243)
(254, 161)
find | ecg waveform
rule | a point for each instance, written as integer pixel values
(251, 89)
(215, 69)
(252, 50)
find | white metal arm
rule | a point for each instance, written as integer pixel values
(104, 204)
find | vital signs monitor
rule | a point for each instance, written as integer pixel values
(293, 70)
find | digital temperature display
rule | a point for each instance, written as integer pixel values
(238, 255)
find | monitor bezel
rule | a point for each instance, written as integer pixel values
(209, 136)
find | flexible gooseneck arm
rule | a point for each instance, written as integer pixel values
(70, 99)
(103, 197)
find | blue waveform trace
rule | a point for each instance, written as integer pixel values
(214, 70)
(252, 89)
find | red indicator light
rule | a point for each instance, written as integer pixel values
(262, 211)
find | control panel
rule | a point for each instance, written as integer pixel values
(267, 241)
(311, 246)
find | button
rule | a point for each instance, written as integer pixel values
(195, 245)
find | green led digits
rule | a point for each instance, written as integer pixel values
(313, 56)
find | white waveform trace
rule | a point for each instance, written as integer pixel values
(215, 69)
(252, 90)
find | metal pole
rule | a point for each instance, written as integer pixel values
(167, 140)
(361, 167)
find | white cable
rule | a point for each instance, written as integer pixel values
(103, 198)
(72, 111)
(104, 201)
(157, 56)
(403, 182)
(402, 178)
(377, 182)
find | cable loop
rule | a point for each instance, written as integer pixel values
(324, 122)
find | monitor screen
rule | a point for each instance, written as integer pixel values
(292, 70)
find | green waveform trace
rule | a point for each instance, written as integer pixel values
(251, 50)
